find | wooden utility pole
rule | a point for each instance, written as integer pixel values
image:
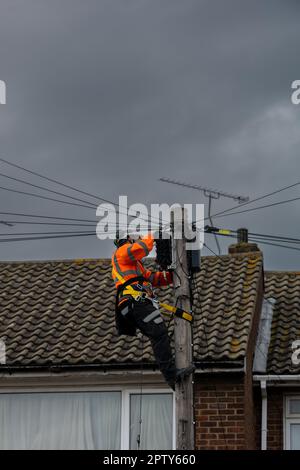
(183, 338)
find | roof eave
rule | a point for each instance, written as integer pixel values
(201, 367)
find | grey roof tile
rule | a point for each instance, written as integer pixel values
(62, 312)
(284, 287)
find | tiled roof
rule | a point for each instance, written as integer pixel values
(225, 297)
(62, 312)
(284, 287)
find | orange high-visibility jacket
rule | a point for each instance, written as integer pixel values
(126, 262)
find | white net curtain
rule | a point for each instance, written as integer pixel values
(60, 420)
(154, 429)
(85, 420)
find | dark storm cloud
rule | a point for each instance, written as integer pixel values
(110, 95)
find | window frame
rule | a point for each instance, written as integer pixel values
(125, 390)
(288, 419)
(125, 419)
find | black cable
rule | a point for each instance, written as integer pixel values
(257, 199)
(48, 198)
(49, 233)
(259, 241)
(275, 237)
(204, 244)
(78, 234)
(90, 206)
(25, 222)
(278, 245)
(262, 238)
(42, 233)
(46, 217)
(6, 240)
(211, 221)
(19, 180)
(52, 180)
(274, 240)
(180, 264)
(178, 277)
(52, 217)
(259, 207)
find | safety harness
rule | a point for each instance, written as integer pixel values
(138, 292)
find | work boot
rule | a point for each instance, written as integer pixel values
(181, 374)
(171, 384)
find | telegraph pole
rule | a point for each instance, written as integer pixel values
(183, 338)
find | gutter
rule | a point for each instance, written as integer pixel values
(264, 415)
(201, 367)
(57, 368)
(277, 378)
(219, 370)
(260, 363)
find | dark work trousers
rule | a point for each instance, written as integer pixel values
(150, 323)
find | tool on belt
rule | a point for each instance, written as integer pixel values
(133, 290)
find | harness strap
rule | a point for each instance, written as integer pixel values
(178, 312)
(126, 289)
(127, 283)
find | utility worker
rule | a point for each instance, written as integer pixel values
(136, 306)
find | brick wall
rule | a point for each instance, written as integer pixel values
(257, 407)
(275, 419)
(220, 414)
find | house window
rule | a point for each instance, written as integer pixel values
(74, 420)
(292, 423)
(151, 421)
(106, 419)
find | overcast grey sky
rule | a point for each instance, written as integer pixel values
(110, 95)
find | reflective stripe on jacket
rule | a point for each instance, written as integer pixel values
(126, 263)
